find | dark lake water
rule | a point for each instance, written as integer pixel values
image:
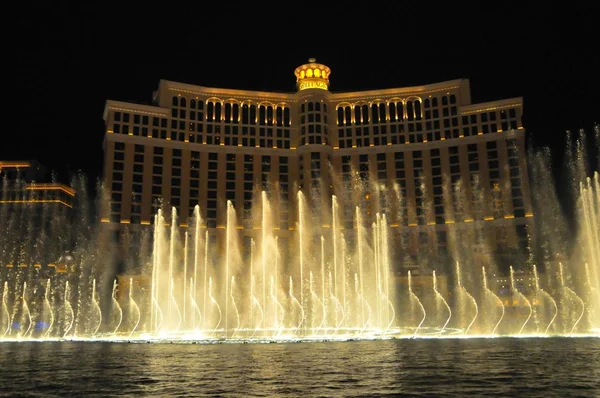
(507, 367)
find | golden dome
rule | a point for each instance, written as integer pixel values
(312, 76)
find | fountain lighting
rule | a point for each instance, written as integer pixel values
(342, 272)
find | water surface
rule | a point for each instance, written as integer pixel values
(510, 367)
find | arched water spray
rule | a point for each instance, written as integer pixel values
(542, 293)
(569, 292)
(468, 295)
(295, 301)
(521, 296)
(96, 306)
(256, 303)
(214, 303)
(134, 307)
(415, 300)
(315, 301)
(5, 308)
(362, 303)
(68, 309)
(195, 310)
(48, 308)
(175, 307)
(116, 306)
(278, 309)
(440, 299)
(338, 306)
(494, 297)
(234, 305)
(26, 312)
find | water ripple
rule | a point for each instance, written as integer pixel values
(449, 368)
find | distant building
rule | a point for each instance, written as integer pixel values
(31, 209)
(459, 167)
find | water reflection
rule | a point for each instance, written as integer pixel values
(454, 367)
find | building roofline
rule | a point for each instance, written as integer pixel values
(14, 164)
(195, 89)
(131, 106)
(492, 105)
(422, 89)
(267, 95)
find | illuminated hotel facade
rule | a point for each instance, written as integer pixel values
(201, 145)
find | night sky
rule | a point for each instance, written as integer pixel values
(70, 58)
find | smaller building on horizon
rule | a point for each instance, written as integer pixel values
(32, 205)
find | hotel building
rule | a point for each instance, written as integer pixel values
(455, 164)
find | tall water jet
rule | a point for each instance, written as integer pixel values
(205, 288)
(590, 209)
(440, 299)
(360, 264)
(542, 296)
(252, 296)
(385, 259)
(301, 215)
(133, 308)
(172, 241)
(518, 296)
(116, 306)
(264, 232)
(495, 299)
(185, 266)
(194, 285)
(334, 239)
(323, 297)
(48, 308)
(378, 289)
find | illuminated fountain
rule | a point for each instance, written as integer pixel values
(335, 282)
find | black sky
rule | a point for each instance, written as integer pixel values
(68, 58)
